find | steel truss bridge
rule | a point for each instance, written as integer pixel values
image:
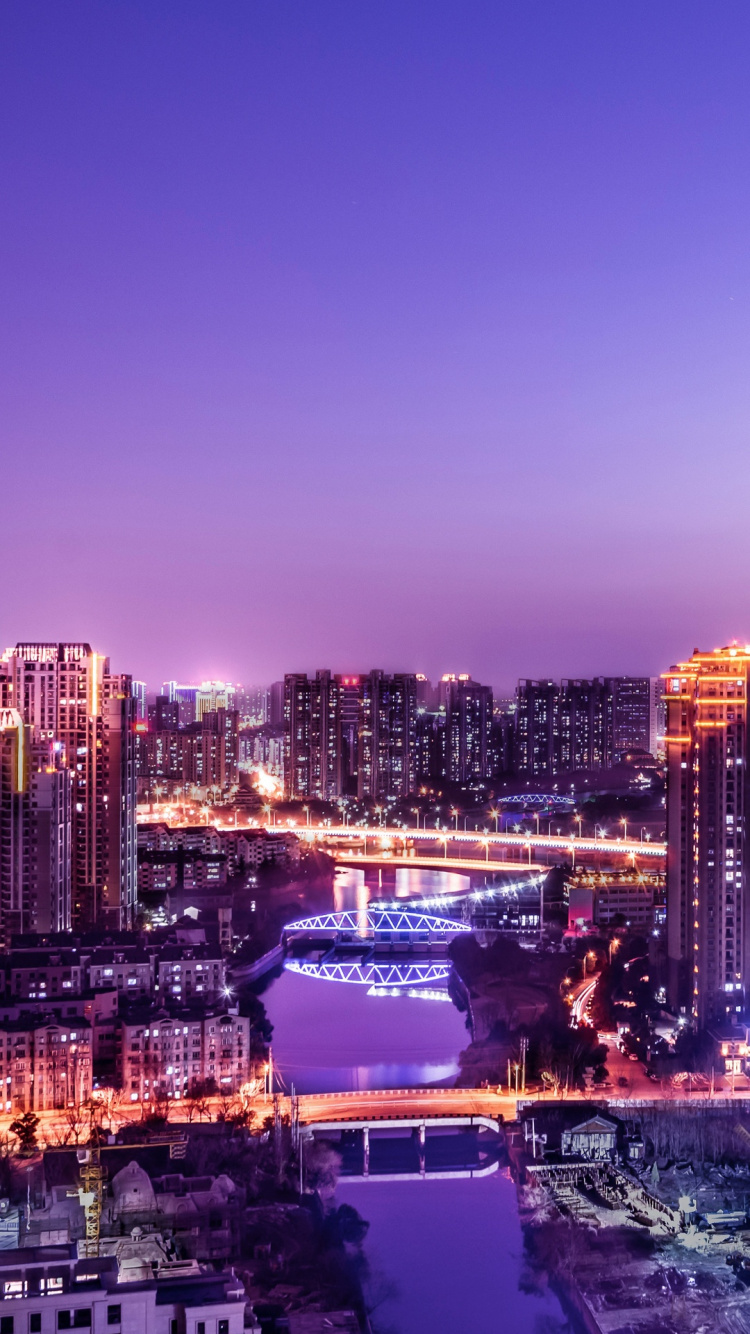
(379, 921)
(535, 799)
(375, 972)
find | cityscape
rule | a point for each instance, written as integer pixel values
(410, 992)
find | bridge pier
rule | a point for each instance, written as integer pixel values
(380, 877)
(366, 1150)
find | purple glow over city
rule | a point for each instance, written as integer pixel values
(365, 334)
(374, 666)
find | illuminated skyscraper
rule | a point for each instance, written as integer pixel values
(582, 724)
(35, 826)
(537, 728)
(387, 736)
(66, 693)
(468, 728)
(350, 735)
(139, 695)
(708, 945)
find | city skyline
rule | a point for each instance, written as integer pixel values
(371, 336)
(503, 689)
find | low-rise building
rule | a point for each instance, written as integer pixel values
(38, 974)
(45, 1063)
(258, 846)
(128, 968)
(157, 876)
(186, 971)
(45, 1289)
(595, 1139)
(628, 902)
(731, 1049)
(163, 1052)
(98, 1008)
(201, 1214)
(207, 871)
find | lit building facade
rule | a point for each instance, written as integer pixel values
(387, 736)
(45, 1064)
(537, 728)
(468, 730)
(350, 735)
(66, 693)
(35, 831)
(708, 945)
(163, 1053)
(577, 724)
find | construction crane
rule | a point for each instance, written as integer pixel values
(93, 1174)
(90, 1194)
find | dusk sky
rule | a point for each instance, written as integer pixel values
(402, 335)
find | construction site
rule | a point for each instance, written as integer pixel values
(633, 1241)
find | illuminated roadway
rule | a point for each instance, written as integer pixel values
(397, 1104)
(403, 1103)
(581, 1001)
(568, 843)
(426, 861)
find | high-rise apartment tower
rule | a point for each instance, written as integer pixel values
(66, 693)
(708, 944)
(35, 825)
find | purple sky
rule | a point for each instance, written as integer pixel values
(375, 334)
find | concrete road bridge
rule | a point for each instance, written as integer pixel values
(455, 849)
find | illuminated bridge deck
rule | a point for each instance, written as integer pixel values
(375, 921)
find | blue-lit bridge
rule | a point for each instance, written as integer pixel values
(373, 972)
(360, 932)
(378, 922)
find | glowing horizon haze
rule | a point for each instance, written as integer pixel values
(376, 335)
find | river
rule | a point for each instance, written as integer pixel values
(445, 1257)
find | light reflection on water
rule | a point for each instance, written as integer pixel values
(332, 1037)
(351, 889)
(443, 1255)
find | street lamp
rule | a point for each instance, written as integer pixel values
(454, 813)
(493, 816)
(624, 824)
(579, 820)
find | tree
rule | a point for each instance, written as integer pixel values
(197, 1098)
(77, 1119)
(25, 1128)
(321, 1165)
(157, 1115)
(108, 1101)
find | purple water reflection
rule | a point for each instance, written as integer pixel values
(333, 1037)
(350, 890)
(447, 1255)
